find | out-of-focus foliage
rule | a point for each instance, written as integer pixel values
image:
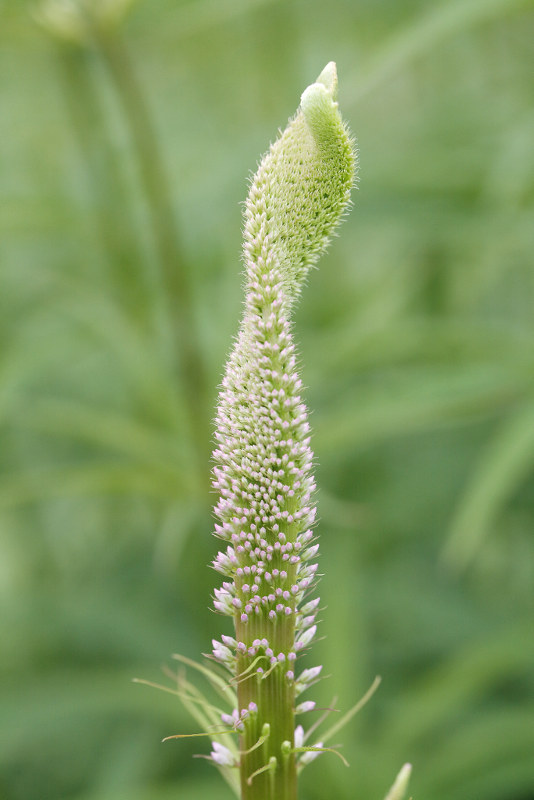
(124, 156)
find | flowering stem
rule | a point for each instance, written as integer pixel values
(263, 469)
(274, 697)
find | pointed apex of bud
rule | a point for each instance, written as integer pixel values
(300, 191)
(318, 101)
(328, 78)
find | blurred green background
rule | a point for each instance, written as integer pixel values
(125, 154)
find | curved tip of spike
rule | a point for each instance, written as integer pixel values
(328, 78)
(318, 100)
(320, 111)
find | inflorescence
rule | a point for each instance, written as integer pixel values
(263, 472)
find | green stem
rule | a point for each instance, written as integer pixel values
(274, 696)
(170, 254)
(113, 231)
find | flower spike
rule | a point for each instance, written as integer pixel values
(263, 460)
(263, 473)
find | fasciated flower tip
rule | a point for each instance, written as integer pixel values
(328, 78)
(318, 106)
(322, 94)
(320, 109)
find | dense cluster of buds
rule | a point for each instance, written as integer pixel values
(263, 473)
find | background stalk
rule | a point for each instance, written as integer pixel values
(186, 351)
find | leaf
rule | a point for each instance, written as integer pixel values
(503, 466)
(429, 29)
(398, 790)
